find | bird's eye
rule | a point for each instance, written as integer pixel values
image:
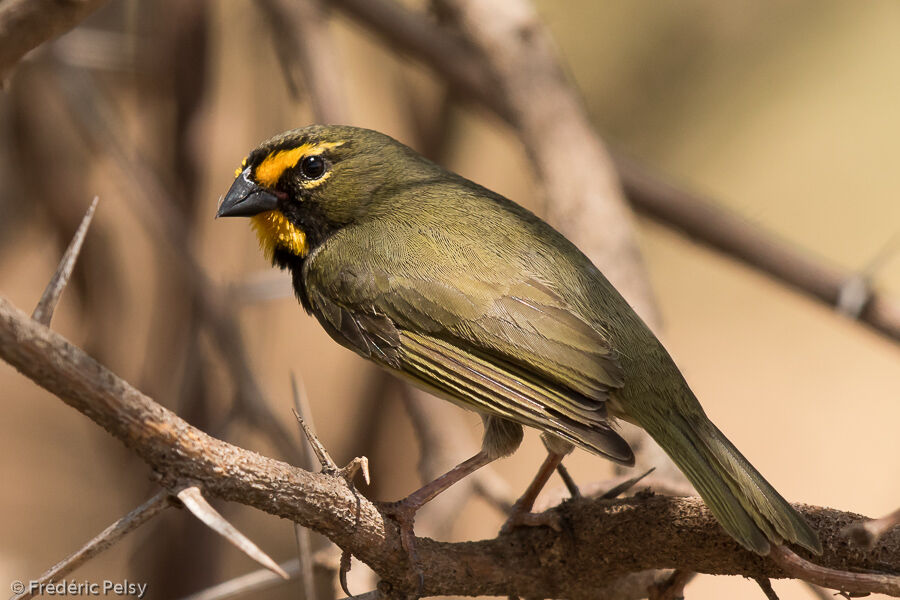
(312, 167)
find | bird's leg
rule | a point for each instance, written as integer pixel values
(521, 513)
(501, 438)
(404, 511)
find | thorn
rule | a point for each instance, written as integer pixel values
(194, 501)
(304, 419)
(624, 486)
(328, 465)
(568, 480)
(43, 312)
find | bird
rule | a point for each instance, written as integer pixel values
(465, 293)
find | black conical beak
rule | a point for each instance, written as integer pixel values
(246, 199)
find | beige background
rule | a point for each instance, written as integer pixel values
(784, 112)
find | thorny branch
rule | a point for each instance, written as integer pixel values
(599, 539)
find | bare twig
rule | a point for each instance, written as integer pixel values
(101, 542)
(43, 312)
(710, 224)
(26, 24)
(842, 580)
(867, 533)
(194, 501)
(601, 539)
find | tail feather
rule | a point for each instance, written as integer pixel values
(743, 502)
(763, 503)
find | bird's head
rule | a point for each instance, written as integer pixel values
(304, 184)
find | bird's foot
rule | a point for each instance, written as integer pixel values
(403, 513)
(523, 518)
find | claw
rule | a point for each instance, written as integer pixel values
(549, 519)
(403, 513)
(346, 557)
(360, 463)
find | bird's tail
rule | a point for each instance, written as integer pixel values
(743, 502)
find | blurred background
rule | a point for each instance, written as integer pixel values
(785, 113)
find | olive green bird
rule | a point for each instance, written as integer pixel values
(469, 295)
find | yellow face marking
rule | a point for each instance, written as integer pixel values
(274, 231)
(269, 171)
(238, 171)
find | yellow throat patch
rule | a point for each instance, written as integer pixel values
(274, 231)
(272, 228)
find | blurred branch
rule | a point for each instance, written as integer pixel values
(101, 542)
(709, 224)
(26, 24)
(301, 534)
(600, 539)
(324, 566)
(705, 222)
(422, 39)
(149, 198)
(568, 157)
(303, 43)
(867, 533)
(672, 588)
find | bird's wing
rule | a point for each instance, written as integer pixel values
(514, 349)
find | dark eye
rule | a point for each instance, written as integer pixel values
(312, 167)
